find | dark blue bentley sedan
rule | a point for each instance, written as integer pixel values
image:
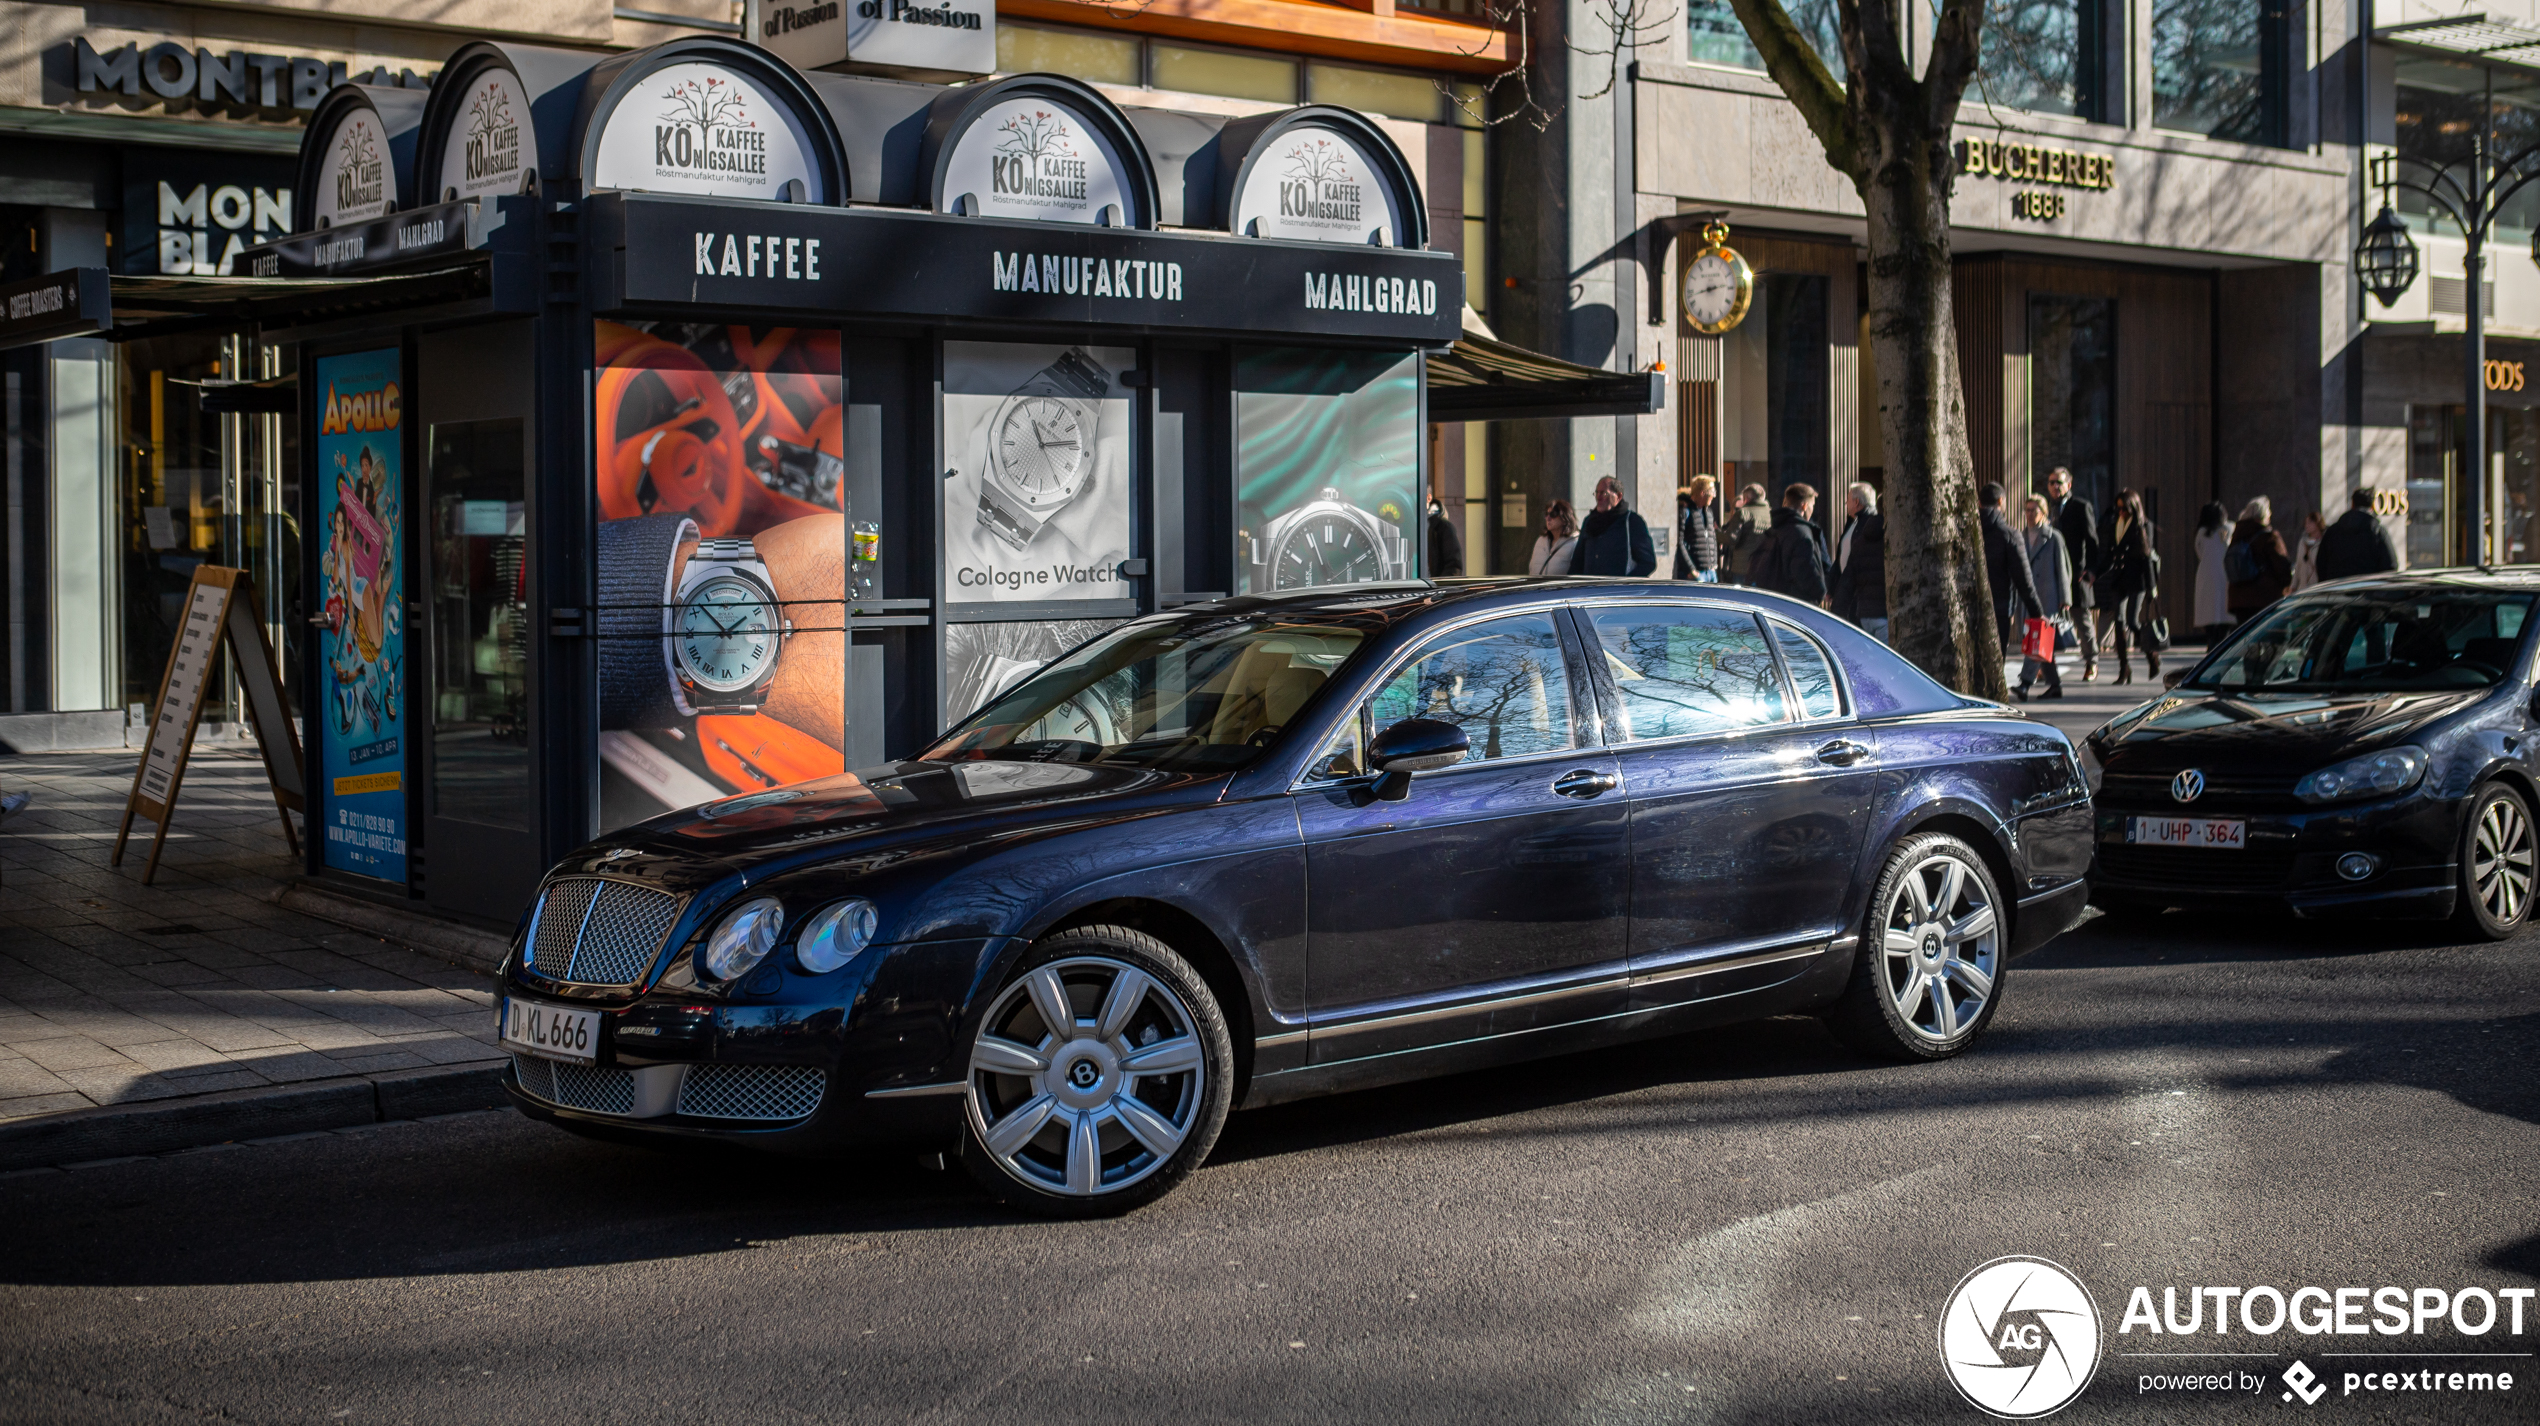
(1271, 847)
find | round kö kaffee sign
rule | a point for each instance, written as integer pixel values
(2019, 1338)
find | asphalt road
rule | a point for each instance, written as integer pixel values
(1748, 1225)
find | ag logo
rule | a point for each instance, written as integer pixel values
(2019, 1338)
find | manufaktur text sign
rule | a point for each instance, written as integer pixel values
(851, 262)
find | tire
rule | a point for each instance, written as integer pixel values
(1932, 958)
(2497, 854)
(1061, 1122)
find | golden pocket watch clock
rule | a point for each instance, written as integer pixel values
(1718, 284)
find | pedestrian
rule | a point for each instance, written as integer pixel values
(1860, 563)
(2357, 543)
(1558, 543)
(1446, 550)
(1747, 526)
(2079, 525)
(2051, 568)
(2213, 586)
(2006, 573)
(2255, 561)
(1613, 539)
(2306, 554)
(2127, 584)
(1698, 533)
(1792, 560)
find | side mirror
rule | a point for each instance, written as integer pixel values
(2174, 677)
(1413, 745)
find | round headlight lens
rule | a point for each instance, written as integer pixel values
(744, 938)
(835, 934)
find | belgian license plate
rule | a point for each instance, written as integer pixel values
(552, 1031)
(2187, 832)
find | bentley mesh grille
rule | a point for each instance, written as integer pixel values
(595, 1088)
(763, 1092)
(594, 932)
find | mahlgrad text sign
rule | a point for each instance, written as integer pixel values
(826, 261)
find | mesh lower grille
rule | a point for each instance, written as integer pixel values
(763, 1092)
(591, 1087)
(595, 932)
(2196, 868)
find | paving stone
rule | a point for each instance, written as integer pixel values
(175, 1054)
(20, 1078)
(72, 1052)
(128, 1086)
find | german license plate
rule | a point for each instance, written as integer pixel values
(2187, 832)
(552, 1031)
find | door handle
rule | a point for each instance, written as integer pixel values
(1842, 752)
(1583, 783)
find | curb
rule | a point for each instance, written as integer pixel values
(163, 1126)
(464, 946)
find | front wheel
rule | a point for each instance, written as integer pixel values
(2497, 863)
(1931, 964)
(1099, 1078)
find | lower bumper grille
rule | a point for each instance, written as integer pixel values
(595, 1088)
(2196, 868)
(758, 1092)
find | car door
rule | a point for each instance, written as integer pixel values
(1749, 785)
(1495, 897)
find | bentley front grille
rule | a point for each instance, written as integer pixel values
(595, 932)
(594, 1088)
(761, 1092)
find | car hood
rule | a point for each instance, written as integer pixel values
(2258, 733)
(882, 815)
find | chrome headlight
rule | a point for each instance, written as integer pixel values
(744, 938)
(2372, 775)
(835, 934)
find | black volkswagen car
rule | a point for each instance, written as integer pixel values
(2364, 748)
(1271, 847)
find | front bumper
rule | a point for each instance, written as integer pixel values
(2289, 862)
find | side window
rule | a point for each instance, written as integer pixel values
(1680, 669)
(1502, 682)
(1810, 675)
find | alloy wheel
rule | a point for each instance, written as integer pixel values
(1087, 1076)
(2501, 860)
(1941, 945)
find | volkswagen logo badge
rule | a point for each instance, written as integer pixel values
(2188, 785)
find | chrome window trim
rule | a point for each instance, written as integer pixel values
(1845, 711)
(1790, 694)
(1552, 608)
(1487, 1004)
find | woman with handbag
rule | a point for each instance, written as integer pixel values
(2126, 580)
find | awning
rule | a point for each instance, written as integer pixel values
(1481, 378)
(2473, 38)
(85, 302)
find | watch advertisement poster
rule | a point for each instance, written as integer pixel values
(982, 661)
(1327, 468)
(361, 595)
(1036, 490)
(724, 549)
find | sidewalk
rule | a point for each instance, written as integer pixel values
(138, 1019)
(2085, 706)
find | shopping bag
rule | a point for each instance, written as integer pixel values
(2064, 635)
(2037, 641)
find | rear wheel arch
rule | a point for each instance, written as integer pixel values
(1969, 829)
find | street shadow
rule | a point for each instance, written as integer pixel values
(2182, 937)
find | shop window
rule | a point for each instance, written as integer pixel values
(2439, 107)
(1098, 59)
(723, 513)
(1376, 91)
(2045, 56)
(2218, 68)
(1238, 76)
(2434, 452)
(1327, 468)
(2072, 346)
(480, 623)
(1774, 414)
(1714, 36)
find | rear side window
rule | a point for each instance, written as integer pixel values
(1680, 670)
(1810, 675)
(1503, 682)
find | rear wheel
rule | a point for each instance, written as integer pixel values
(1099, 1078)
(2497, 859)
(1931, 962)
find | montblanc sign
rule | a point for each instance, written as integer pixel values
(206, 79)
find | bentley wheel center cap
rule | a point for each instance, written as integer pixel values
(1083, 1075)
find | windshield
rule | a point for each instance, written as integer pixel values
(2373, 641)
(1197, 695)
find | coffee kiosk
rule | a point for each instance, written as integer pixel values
(679, 425)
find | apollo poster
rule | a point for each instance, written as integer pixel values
(361, 641)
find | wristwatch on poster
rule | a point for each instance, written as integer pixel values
(1328, 541)
(1040, 448)
(725, 630)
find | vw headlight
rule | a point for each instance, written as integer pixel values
(835, 934)
(2373, 775)
(744, 938)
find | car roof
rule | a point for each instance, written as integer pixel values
(2504, 576)
(1397, 601)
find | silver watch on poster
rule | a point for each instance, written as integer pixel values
(1040, 448)
(725, 629)
(1328, 540)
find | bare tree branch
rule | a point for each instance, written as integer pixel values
(1624, 27)
(1511, 17)
(1803, 77)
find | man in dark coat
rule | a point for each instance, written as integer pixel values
(2073, 518)
(1792, 559)
(1860, 563)
(1613, 539)
(1446, 550)
(2006, 571)
(2356, 544)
